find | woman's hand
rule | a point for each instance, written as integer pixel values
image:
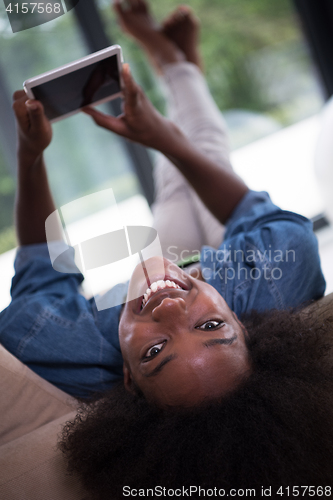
(140, 121)
(33, 128)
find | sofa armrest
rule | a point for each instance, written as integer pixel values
(32, 468)
(27, 401)
(322, 307)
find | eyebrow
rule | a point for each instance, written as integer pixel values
(169, 358)
(212, 342)
(159, 367)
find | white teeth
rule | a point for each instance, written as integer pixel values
(157, 285)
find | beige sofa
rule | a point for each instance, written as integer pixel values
(32, 413)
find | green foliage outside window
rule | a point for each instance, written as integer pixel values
(255, 57)
(7, 194)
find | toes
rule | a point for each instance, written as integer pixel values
(188, 13)
(181, 12)
(142, 5)
(125, 8)
(171, 21)
(185, 9)
(118, 6)
(133, 4)
(179, 15)
(137, 5)
(184, 13)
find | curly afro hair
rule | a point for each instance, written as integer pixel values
(275, 430)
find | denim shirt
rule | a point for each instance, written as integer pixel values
(56, 331)
(268, 259)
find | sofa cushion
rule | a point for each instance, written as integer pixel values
(26, 400)
(31, 467)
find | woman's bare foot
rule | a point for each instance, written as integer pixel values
(135, 19)
(182, 27)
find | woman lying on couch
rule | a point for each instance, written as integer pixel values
(205, 399)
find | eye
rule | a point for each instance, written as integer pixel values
(154, 350)
(211, 325)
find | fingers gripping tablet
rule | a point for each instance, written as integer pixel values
(64, 91)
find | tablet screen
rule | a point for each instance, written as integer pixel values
(79, 88)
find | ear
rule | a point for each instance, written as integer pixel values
(128, 381)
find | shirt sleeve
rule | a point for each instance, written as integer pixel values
(34, 273)
(52, 328)
(269, 258)
(255, 210)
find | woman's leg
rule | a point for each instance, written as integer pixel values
(193, 109)
(183, 223)
(191, 106)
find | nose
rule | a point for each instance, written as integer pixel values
(169, 309)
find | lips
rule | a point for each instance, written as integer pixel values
(185, 285)
(175, 275)
(155, 287)
(155, 299)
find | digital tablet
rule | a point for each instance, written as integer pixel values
(64, 91)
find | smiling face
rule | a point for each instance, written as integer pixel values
(181, 344)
